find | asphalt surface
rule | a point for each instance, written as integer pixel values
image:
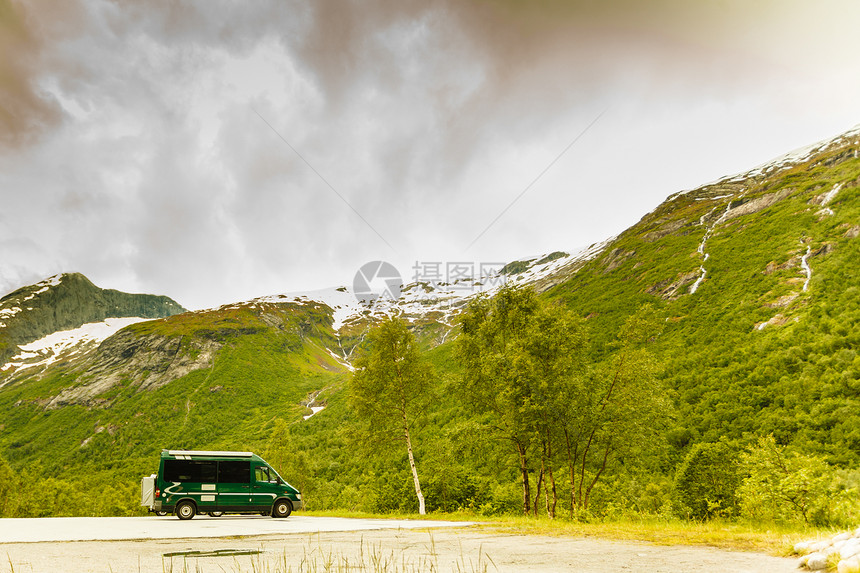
(49, 529)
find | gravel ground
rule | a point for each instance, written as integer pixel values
(461, 549)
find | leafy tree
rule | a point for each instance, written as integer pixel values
(493, 348)
(390, 386)
(615, 411)
(8, 487)
(707, 481)
(556, 345)
(525, 364)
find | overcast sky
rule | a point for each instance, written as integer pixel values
(219, 151)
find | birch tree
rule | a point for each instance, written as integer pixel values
(615, 410)
(527, 366)
(390, 386)
(516, 352)
(492, 350)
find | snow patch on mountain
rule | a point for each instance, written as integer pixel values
(444, 300)
(57, 345)
(45, 286)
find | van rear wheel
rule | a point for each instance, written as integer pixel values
(185, 510)
(282, 508)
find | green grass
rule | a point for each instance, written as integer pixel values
(767, 538)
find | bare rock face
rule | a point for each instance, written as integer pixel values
(664, 230)
(615, 258)
(146, 362)
(757, 204)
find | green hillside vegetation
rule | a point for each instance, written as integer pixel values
(757, 381)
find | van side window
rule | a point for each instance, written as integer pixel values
(234, 471)
(261, 473)
(189, 470)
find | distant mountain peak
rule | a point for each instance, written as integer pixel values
(68, 301)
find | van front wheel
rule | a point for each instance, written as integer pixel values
(283, 508)
(185, 510)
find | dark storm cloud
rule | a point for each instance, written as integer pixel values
(26, 109)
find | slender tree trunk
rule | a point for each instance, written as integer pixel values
(571, 465)
(579, 496)
(524, 469)
(550, 507)
(421, 509)
(598, 474)
(543, 472)
(537, 490)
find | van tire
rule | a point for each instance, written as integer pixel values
(185, 510)
(216, 513)
(282, 508)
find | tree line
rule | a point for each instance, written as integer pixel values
(529, 374)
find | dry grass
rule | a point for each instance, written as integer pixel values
(768, 538)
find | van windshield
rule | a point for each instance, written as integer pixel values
(267, 474)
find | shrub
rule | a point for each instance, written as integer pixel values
(707, 481)
(788, 486)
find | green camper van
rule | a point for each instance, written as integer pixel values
(189, 482)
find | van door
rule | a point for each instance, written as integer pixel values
(191, 478)
(265, 487)
(234, 478)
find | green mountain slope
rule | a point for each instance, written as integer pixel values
(758, 279)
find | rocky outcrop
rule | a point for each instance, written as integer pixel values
(146, 362)
(615, 258)
(756, 205)
(664, 230)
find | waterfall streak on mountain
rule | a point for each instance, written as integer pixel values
(701, 248)
(804, 263)
(828, 197)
